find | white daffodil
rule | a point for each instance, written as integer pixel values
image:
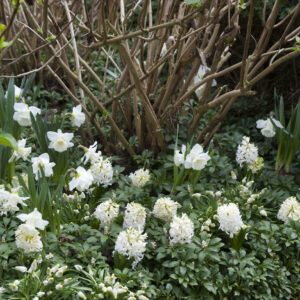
(42, 161)
(199, 77)
(82, 180)
(34, 219)
(91, 154)
(18, 92)
(22, 113)
(21, 152)
(196, 159)
(267, 127)
(60, 141)
(9, 201)
(179, 156)
(77, 116)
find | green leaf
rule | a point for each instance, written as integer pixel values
(6, 139)
(194, 2)
(4, 44)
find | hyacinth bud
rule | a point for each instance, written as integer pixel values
(81, 295)
(263, 213)
(204, 244)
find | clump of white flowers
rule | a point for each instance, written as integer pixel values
(195, 159)
(181, 229)
(112, 286)
(247, 154)
(22, 113)
(135, 216)
(60, 141)
(230, 219)
(28, 239)
(77, 116)
(106, 212)
(165, 209)
(101, 168)
(132, 244)
(290, 208)
(140, 177)
(267, 127)
(22, 151)
(9, 201)
(82, 180)
(202, 71)
(42, 162)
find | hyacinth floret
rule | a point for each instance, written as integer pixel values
(165, 209)
(135, 216)
(28, 238)
(106, 212)
(132, 244)
(230, 219)
(246, 152)
(102, 171)
(140, 177)
(290, 208)
(181, 229)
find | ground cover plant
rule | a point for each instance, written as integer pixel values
(129, 170)
(192, 224)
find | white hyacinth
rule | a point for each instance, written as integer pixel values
(165, 209)
(77, 116)
(28, 239)
(42, 162)
(131, 243)
(246, 152)
(9, 202)
(230, 219)
(199, 77)
(179, 156)
(102, 171)
(22, 113)
(22, 151)
(290, 208)
(60, 141)
(196, 158)
(106, 212)
(135, 216)
(181, 229)
(267, 128)
(140, 177)
(34, 219)
(82, 181)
